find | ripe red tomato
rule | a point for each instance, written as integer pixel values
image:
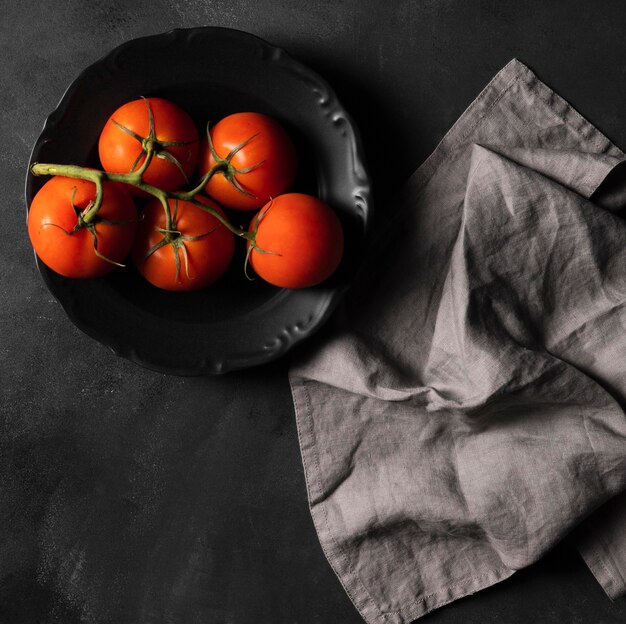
(203, 246)
(268, 161)
(298, 243)
(52, 217)
(176, 142)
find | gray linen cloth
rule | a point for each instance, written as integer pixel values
(466, 410)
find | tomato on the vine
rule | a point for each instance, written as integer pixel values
(126, 135)
(75, 249)
(259, 156)
(298, 241)
(189, 253)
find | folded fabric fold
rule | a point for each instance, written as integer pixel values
(466, 410)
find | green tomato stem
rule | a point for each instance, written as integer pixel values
(135, 179)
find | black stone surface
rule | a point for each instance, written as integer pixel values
(127, 496)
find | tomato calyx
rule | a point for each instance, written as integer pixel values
(227, 169)
(251, 238)
(86, 218)
(151, 146)
(174, 237)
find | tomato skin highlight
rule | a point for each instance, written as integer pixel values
(208, 257)
(302, 239)
(118, 150)
(272, 150)
(73, 255)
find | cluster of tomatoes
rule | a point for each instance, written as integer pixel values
(163, 196)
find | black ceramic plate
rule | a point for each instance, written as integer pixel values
(210, 72)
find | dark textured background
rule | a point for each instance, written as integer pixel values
(127, 496)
